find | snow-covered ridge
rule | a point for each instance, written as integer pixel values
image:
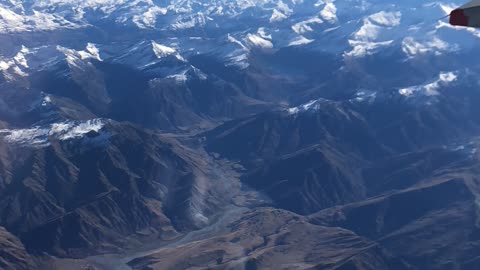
(312, 105)
(300, 40)
(277, 16)
(369, 38)
(40, 136)
(435, 45)
(149, 18)
(430, 89)
(29, 60)
(306, 26)
(162, 51)
(54, 14)
(90, 52)
(352, 28)
(76, 58)
(11, 21)
(257, 41)
(329, 13)
(15, 66)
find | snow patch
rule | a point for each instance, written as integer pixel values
(367, 40)
(162, 51)
(192, 21)
(254, 40)
(47, 100)
(238, 58)
(301, 40)
(284, 8)
(387, 19)
(277, 16)
(149, 18)
(375, 23)
(179, 78)
(76, 58)
(91, 51)
(306, 26)
(232, 39)
(312, 105)
(263, 33)
(365, 96)
(364, 48)
(329, 13)
(15, 66)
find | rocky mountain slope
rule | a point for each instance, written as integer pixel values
(270, 238)
(72, 196)
(262, 134)
(13, 254)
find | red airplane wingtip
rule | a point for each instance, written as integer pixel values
(458, 18)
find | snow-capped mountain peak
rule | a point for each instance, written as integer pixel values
(77, 58)
(162, 51)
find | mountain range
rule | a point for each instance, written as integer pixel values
(245, 134)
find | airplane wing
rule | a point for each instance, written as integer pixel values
(473, 3)
(467, 15)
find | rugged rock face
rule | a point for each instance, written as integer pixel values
(12, 253)
(270, 238)
(325, 153)
(73, 197)
(438, 212)
(149, 133)
(310, 179)
(397, 197)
